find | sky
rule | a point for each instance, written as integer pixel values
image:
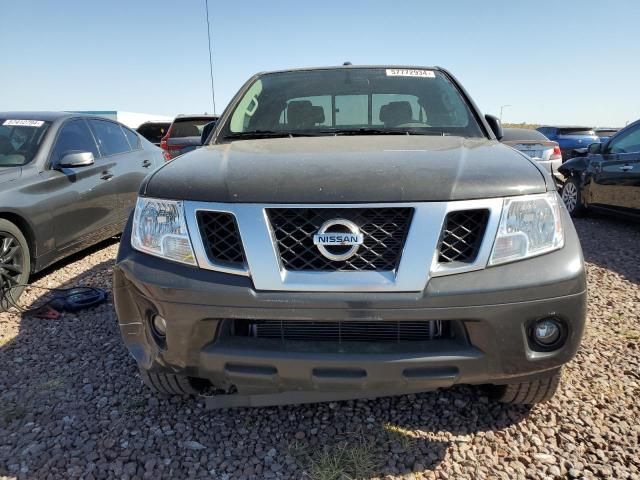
(552, 62)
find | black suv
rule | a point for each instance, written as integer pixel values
(607, 178)
(351, 232)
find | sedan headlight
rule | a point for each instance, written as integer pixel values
(159, 228)
(530, 225)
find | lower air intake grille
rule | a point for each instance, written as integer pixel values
(221, 238)
(462, 236)
(343, 331)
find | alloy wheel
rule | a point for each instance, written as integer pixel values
(570, 196)
(11, 263)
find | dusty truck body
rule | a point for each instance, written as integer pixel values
(351, 232)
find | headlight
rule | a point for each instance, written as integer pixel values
(159, 229)
(530, 225)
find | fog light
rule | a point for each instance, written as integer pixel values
(547, 332)
(159, 325)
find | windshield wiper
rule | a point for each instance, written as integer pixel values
(270, 134)
(379, 131)
(329, 131)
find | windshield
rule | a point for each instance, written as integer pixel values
(189, 127)
(20, 140)
(153, 131)
(352, 101)
(606, 132)
(576, 131)
(517, 134)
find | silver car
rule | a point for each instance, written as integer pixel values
(537, 146)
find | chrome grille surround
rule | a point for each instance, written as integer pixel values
(418, 263)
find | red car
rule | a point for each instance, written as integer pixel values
(185, 134)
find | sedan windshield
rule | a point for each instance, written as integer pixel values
(351, 101)
(20, 140)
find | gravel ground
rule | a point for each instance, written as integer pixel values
(73, 406)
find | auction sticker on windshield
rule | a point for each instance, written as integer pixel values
(410, 72)
(23, 123)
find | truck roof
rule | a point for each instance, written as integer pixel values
(350, 67)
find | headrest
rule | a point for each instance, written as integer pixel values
(189, 131)
(318, 114)
(396, 113)
(6, 147)
(303, 114)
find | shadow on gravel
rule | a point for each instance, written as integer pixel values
(76, 257)
(72, 405)
(611, 243)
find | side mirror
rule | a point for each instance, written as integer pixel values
(595, 148)
(496, 126)
(76, 159)
(206, 131)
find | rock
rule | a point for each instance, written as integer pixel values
(193, 445)
(536, 440)
(555, 471)
(544, 458)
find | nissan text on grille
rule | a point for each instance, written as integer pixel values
(351, 232)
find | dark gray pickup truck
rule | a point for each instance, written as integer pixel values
(351, 232)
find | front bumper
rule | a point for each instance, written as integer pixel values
(493, 308)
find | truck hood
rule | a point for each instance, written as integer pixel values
(347, 169)
(8, 174)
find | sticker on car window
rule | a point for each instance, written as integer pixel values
(23, 123)
(410, 72)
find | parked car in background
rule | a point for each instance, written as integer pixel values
(607, 178)
(154, 131)
(605, 133)
(185, 134)
(67, 181)
(570, 138)
(347, 232)
(535, 145)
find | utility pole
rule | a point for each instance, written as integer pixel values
(213, 95)
(502, 107)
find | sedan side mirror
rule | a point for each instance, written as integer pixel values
(595, 148)
(495, 124)
(76, 159)
(206, 131)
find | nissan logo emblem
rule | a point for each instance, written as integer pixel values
(338, 239)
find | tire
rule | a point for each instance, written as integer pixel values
(529, 393)
(15, 264)
(169, 384)
(572, 197)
